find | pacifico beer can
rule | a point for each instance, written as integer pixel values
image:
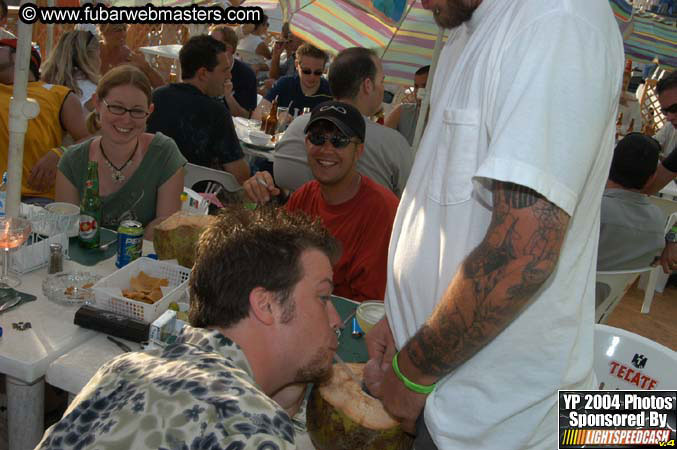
(130, 242)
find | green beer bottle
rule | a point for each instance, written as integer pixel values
(90, 209)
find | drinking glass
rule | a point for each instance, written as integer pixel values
(265, 110)
(253, 125)
(283, 119)
(13, 232)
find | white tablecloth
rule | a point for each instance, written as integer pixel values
(26, 354)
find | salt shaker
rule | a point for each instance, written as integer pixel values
(55, 258)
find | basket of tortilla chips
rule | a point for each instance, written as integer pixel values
(143, 289)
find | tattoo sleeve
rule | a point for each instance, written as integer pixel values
(494, 283)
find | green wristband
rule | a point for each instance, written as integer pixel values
(674, 229)
(418, 388)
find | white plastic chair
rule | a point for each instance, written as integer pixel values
(618, 282)
(657, 279)
(216, 179)
(628, 361)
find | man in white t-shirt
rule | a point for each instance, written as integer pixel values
(490, 298)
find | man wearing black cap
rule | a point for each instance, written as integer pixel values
(60, 113)
(631, 227)
(358, 211)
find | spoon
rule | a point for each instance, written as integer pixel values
(10, 304)
(105, 246)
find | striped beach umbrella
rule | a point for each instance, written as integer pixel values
(334, 25)
(647, 36)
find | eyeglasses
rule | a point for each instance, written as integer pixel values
(317, 73)
(672, 109)
(336, 140)
(121, 110)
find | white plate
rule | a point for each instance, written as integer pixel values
(242, 130)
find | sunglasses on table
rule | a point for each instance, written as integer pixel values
(672, 109)
(336, 140)
(317, 73)
(121, 110)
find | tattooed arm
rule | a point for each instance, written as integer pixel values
(495, 282)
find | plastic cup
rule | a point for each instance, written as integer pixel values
(369, 313)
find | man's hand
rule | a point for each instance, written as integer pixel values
(668, 258)
(382, 382)
(380, 344)
(228, 89)
(43, 173)
(278, 48)
(400, 402)
(261, 187)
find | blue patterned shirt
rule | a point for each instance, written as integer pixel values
(196, 393)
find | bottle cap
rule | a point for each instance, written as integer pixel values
(55, 247)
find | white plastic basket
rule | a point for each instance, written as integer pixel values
(108, 295)
(34, 254)
(46, 228)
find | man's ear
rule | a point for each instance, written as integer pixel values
(262, 305)
(367, 86)
(201, 72)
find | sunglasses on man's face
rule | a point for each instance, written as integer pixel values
(672, 109)
(317, 73)
(336, 140)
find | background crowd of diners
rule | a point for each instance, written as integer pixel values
(102, 101)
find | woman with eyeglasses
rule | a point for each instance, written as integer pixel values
(75, 63)
(140, 174)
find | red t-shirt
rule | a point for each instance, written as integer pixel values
(363, 225)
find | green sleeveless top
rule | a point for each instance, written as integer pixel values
(137, 197)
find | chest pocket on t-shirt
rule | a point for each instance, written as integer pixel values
(455, 160)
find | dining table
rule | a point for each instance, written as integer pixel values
(37, 332)
(254, 150)
(170, 51)
(669, 191)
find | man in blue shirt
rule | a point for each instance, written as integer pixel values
(306, 89)
(187, 112)
(240, 93)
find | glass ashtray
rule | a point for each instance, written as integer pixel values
(70, 288)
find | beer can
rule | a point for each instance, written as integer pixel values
(130, 242)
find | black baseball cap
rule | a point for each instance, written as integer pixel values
(346, 118)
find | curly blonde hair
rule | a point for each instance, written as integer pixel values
(74, 53)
